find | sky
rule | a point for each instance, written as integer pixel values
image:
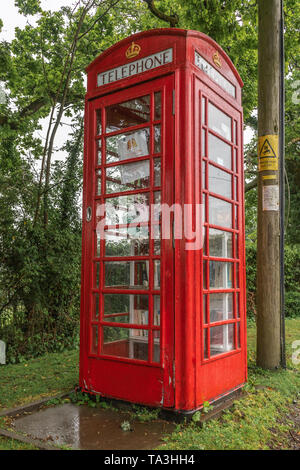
(12, 19)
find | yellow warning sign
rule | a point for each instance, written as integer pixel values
(268, 152)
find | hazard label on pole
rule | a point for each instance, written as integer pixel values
(268, 152)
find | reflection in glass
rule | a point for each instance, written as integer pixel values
(156, 274)
(157, 139)
(95, 307)
(157, 104)
(125, 342)
(220, 307)
(220, 182)
(98, 121)
(96, 275)
(219, 151)
(128, 145)
(127, 114)
(126, 308)
(220, 243)
(156, 346)
(157, 172)
(98, 182)
(221, 339)
(128, 177)
(127, 274)
(156, 310)
(220, 275)
(94, 345)
(219, 121)
(133, 208)
(129, 241)
(204, 308)
(220, 212)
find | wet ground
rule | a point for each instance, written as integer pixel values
(82, 427)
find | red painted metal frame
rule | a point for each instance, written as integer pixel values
(186, 378)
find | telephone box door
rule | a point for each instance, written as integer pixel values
(127, 324)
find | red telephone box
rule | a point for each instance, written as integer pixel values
(163, 318)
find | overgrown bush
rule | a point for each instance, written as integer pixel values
(292, 279)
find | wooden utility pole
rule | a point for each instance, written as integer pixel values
(268, 230)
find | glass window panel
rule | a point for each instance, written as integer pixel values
(127, 114)
(238, 314)
(219, 121)
(204, 308)
(220, 243)
(156, 274)
(128, 177)
(95, 307)
(204, 241)
(125, 342)
(97, 244)
(238, 335)
(203, 143)
(133, 208)
(205, 343)
(204, 274)
(203, 111)
(220, 182)
(219, 151)
(220, 275)
(221, 339)
(98, 182)
(220, 212)
(94, 345)
(157, 206)
(157, 139)
(236, 163)
(156, 346)
(203, 174)
(99, 161)
(237, 278)
(125, 308)
(98, 121)
(129, 145)
(127, 241)
(157, 172)
(156, 310)
(220, 307)
(157, 104)
(157, 240)
(127, 274)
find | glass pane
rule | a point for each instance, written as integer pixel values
(127, 274)
(203, 143)
(97, 244)
(219, 121)
(95, 307)
(157, 104)
(127, 209)
(98, 122)
(130, 241)
(238, 305)
(221, 339)
(220, 243)
(220, 212)
(220, 275)
(156, 274)
(99, 154)
(124, 308)
(204, 308)
(125, 342)
(205, 343)
(127, 114)
(156, 236)
(219, 151)
(156, 206)
(238, 335)
(130, 145)
(203, 175)
(157, 139)
(157, 172)
(156, 310)
(204, 274)
(203, 111)
(220, 182)
(156, 346)
(98, 182)
(94, 345)
(220, 307)
(128, 177)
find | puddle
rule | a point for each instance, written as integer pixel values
(82, 427)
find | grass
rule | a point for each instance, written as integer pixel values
(257, 421)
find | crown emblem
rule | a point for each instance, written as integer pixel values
(217, 59)
(133, 50)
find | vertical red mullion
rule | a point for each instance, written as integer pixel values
(102, 240)
(151, 244)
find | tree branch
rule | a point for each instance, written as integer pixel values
(172, 19)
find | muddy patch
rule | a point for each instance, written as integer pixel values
(82, 427)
